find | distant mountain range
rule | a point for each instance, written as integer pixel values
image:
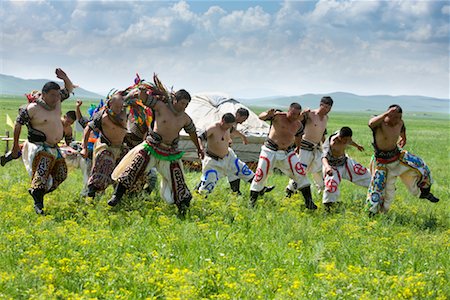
(351, 102)
(14, 86)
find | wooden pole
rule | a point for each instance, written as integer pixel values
(7, 141)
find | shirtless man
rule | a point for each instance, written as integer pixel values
(67, 121)
(41, 155)
(160, 150)
(278, 151)
(220, 160)
(337, 165)
(391, 161)
(315, 124)
(109, 148)
(241, 116)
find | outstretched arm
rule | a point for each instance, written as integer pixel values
(359, 147)
(236, 133)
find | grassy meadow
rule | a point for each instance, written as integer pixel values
(84, 249)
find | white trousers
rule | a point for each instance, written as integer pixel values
(287, 162)
(351, 171)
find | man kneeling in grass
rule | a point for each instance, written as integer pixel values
(337, 165)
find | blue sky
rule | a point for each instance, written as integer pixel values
(246, 49)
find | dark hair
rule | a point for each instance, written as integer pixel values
(182, 94)
(345, 132)
(71, 114)
(51, 85)
(399, 109)
(228, 118)
(326, 100)
(295, 105)
(242, 112)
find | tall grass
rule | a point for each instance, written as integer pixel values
(225, 250)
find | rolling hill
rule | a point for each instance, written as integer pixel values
(351, 102)
(14, 86)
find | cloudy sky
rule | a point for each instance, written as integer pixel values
(246, 49)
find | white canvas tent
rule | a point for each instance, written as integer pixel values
(207, 109)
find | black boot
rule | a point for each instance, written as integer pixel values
(306, 192)
(235, 186)
(289, 193)
(426, 194)
(6, 158)
(253, 198)
(118, 194)
(328, 206)
(38, 197)
(267, 189)
(91, 191)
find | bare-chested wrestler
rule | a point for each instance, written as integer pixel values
(241, 116)
(67, 121)
(160, 150)
(109, 148)
(41, 154)
(220, 160)
(391, 161)
(279, 151)
(338, 166)
(315, 126)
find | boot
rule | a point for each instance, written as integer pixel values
(6, 159)
(117, 196)
(328, 206)
(267, 189)
(306, 192)
(289, 193)
(235, 186)
(253, 198)
(426, 194)
(38, 197)
(91, 191)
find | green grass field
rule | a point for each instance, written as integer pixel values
(83, 249)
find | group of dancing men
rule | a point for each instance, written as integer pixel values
(135, 135)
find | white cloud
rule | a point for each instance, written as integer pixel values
(356, 46)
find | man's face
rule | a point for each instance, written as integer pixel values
(293, 114)
(393, 117)
(225, 125)
(325, 108)
(240, 119)
(68, 120)
(51, 97)
(346, 139)
(181, 105)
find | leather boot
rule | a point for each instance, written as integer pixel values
(306, 192)
(38, 197)
(253, 198)
(235, 186)
(426, 194)
(117, 196)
